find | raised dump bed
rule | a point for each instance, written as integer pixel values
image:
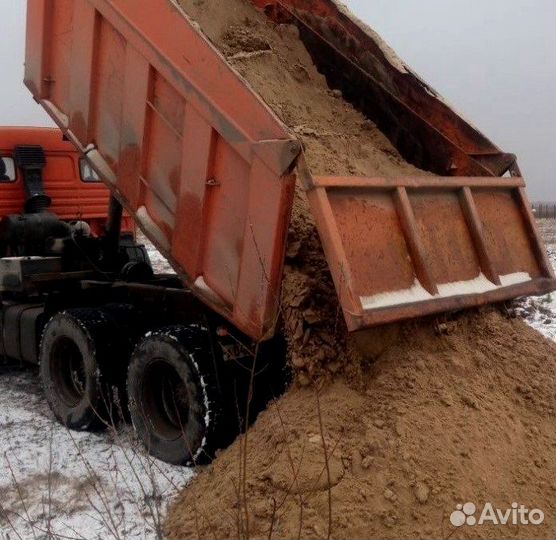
(209, 171)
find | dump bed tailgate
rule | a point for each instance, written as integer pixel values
(407, 247)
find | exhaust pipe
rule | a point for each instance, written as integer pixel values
(31, 160)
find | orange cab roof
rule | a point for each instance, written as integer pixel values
(51, 139)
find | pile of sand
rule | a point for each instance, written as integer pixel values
(443, 420)
(435, 421)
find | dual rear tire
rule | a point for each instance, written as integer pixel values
(170, 386)
(174, 403)
(74, 349)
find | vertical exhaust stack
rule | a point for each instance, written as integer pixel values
(31, 160)
(113, 232)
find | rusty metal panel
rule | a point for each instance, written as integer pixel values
(402, 248)
(196, 173)
(197, 158)
(451, 245)
(506, 236)
(84, 30)
(416, 119)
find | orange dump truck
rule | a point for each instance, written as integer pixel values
(208, 171)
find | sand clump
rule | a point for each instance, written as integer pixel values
(442, 420)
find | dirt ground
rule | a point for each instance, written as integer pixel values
(58, 484)
(133, 485)
(466, 416)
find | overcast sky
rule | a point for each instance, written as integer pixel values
(495, 60)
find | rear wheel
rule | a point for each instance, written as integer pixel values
(73, 348)
(173, 401)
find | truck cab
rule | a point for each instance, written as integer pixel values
(74, 188)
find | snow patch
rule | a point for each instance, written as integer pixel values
(62, 118)
(206, 402)
(417, 293)
(75, 485)
(101, 166)
(473, 286)
(540, 311)
(514, 279)
(202, 286)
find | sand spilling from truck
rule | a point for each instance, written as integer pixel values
(466, 416)
(405, 432)
(338, 140)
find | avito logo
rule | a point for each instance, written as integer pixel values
(518, 514)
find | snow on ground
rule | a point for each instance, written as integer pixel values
(57, 484)
(60, 484)
(540, 312)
